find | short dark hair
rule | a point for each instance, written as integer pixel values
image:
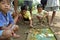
(6, 0)
(24, 7)
(39, 6)
(1, 0)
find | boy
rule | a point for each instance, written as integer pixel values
(29, 4)
(41, 14)
(25, 15)
(7, 27)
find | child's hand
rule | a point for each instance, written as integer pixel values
(31, 25)
(5, 28)
(44, 16)
(15, 35)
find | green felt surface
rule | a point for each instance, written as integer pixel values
(41, 34)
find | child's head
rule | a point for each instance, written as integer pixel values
(39, 7)
(24, 8)
(4, 5)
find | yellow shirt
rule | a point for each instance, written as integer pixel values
(27, 15)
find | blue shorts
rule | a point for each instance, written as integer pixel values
(1, 32)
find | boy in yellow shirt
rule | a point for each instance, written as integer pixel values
(25, 15)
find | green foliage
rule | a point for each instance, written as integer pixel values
(20, 2)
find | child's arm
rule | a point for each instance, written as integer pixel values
(30, 19)
(46, 14)
(38, 16)
(6, 27)
(17, 14)
(12, 21)
(16, 17)
(10, 25)
(15, 20)
(2, 25)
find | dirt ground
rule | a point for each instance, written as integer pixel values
(25, 27)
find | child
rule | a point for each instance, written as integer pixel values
(26, 14)
(41, 14)
(29, 4)
(7, 27)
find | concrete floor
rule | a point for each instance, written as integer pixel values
(24, 28)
